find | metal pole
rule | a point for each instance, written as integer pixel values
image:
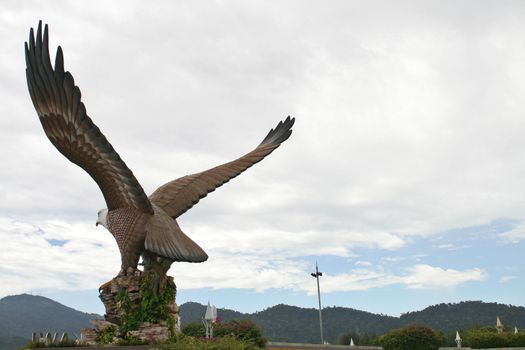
(316, 275)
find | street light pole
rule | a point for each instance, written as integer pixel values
(316, 274)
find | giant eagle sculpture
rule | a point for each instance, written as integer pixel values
(142, 226)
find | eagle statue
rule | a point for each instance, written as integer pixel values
(142, 226)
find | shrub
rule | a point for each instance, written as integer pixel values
(411, 338)
(194, 329)
(107, 335)
(184, 342)
(244, 330)
(516, 340)
(130, 341)
(488, 338)
(482, 339)
(65, 344)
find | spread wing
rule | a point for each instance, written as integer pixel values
(177, 196)
(68, 127)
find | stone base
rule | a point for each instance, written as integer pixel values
(88, 336)
(122, 298)
(148, 333)
(151, 332)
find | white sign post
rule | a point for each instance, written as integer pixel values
(209, 318)
(458, 339)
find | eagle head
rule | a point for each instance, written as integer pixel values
(102, 218)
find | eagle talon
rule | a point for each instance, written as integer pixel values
(104, 286)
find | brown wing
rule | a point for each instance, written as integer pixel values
(177, 196)
(166, 239)
(66, 124)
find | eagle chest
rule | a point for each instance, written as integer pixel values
(128, 226)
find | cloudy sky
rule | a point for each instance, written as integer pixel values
(404, 177)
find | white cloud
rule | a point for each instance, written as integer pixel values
(426, 276)
(516, 235)
(227, 271)
(271, 242)
(453, 247)
(505, 279)
(420, 276)
(385, 108)
(447, 246)
(88, 256)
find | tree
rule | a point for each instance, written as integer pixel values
(411, 338)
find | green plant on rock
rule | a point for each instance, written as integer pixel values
(107, 335)
(170, 320)
(129, 316)
(152, 307)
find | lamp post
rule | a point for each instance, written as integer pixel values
(316, 274)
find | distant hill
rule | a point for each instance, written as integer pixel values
(20, 315)
(452, 317)
(295, 324)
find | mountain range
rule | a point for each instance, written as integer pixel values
(20, 315)
(296, 324)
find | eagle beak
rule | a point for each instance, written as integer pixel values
(97, 224)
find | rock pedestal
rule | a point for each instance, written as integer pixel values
(151, 332)
(111, 292)
(139, 305)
